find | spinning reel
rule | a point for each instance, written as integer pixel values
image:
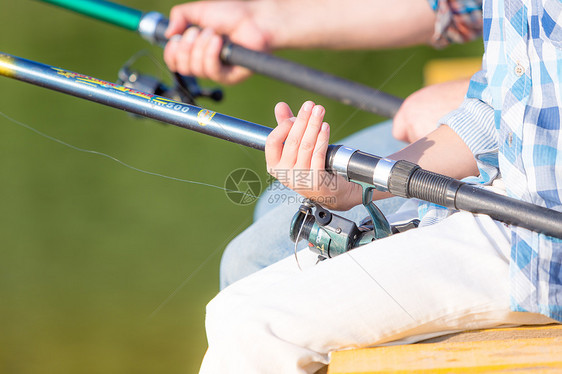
(185, 89)
(330, 235)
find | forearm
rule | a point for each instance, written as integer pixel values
(441, 151)
(355, 24)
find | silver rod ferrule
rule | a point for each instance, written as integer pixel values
(341, 160)
(382, 172)
(148, 24)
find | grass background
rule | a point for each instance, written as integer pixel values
(107, 270)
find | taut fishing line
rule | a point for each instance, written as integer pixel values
(192, 274)
(398, 69)
(172, 76)
(380, 87)
(211, 255)
(197, 270)
(30, 128)
(299, 238)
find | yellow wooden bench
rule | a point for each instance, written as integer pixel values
(521, 350)
(443, 70)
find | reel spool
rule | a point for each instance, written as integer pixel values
(185, 89)
(330, 235)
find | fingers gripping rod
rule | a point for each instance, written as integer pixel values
(401, 178)
(152, 26)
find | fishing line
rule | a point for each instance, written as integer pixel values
(397, 70)
(30, 128)
(299, 238)
(349, 253)
(380, 87)
(381, 287)
(172, 76)
(144, 53)
(197, 270)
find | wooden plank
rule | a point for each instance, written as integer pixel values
(528, 355)
(524, 332)
(443, 70)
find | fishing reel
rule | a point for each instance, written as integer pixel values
(330, 235)
(185, 89)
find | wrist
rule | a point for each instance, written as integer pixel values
(284, 23)
(268, 16)
(352, 197)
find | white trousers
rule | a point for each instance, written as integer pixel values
(426, 282)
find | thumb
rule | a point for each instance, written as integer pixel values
(179, 20)
(282, 112)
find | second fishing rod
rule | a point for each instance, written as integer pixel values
(153, 25)
(401, 178)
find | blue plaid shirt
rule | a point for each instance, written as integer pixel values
(510, 119)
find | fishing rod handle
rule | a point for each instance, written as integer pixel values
(336, 88)
(408, 180)
(153, 27)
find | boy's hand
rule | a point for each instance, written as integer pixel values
(196, 50)
(295, 154)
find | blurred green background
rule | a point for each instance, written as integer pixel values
(107, 270)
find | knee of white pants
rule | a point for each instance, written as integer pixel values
(245, 255)
(230, 333)
(236, 320)
(232, 263)
(257, 247)
(241, 340)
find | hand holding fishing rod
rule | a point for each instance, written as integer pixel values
(152, 26)
(400, 178)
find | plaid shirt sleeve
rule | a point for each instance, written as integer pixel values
(474, 121)
(518, 93)
(457, 21)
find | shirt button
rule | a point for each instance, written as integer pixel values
(510, 139)
(519, 70)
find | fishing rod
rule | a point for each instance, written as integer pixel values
(401, 178)
(152, 27)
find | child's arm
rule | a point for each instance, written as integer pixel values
(296, 151)
(269, 25)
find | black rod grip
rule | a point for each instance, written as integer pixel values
(342, 90)
(509, 210)
(415, 182)
(160, 32)
(339, 89)
(435, 188)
